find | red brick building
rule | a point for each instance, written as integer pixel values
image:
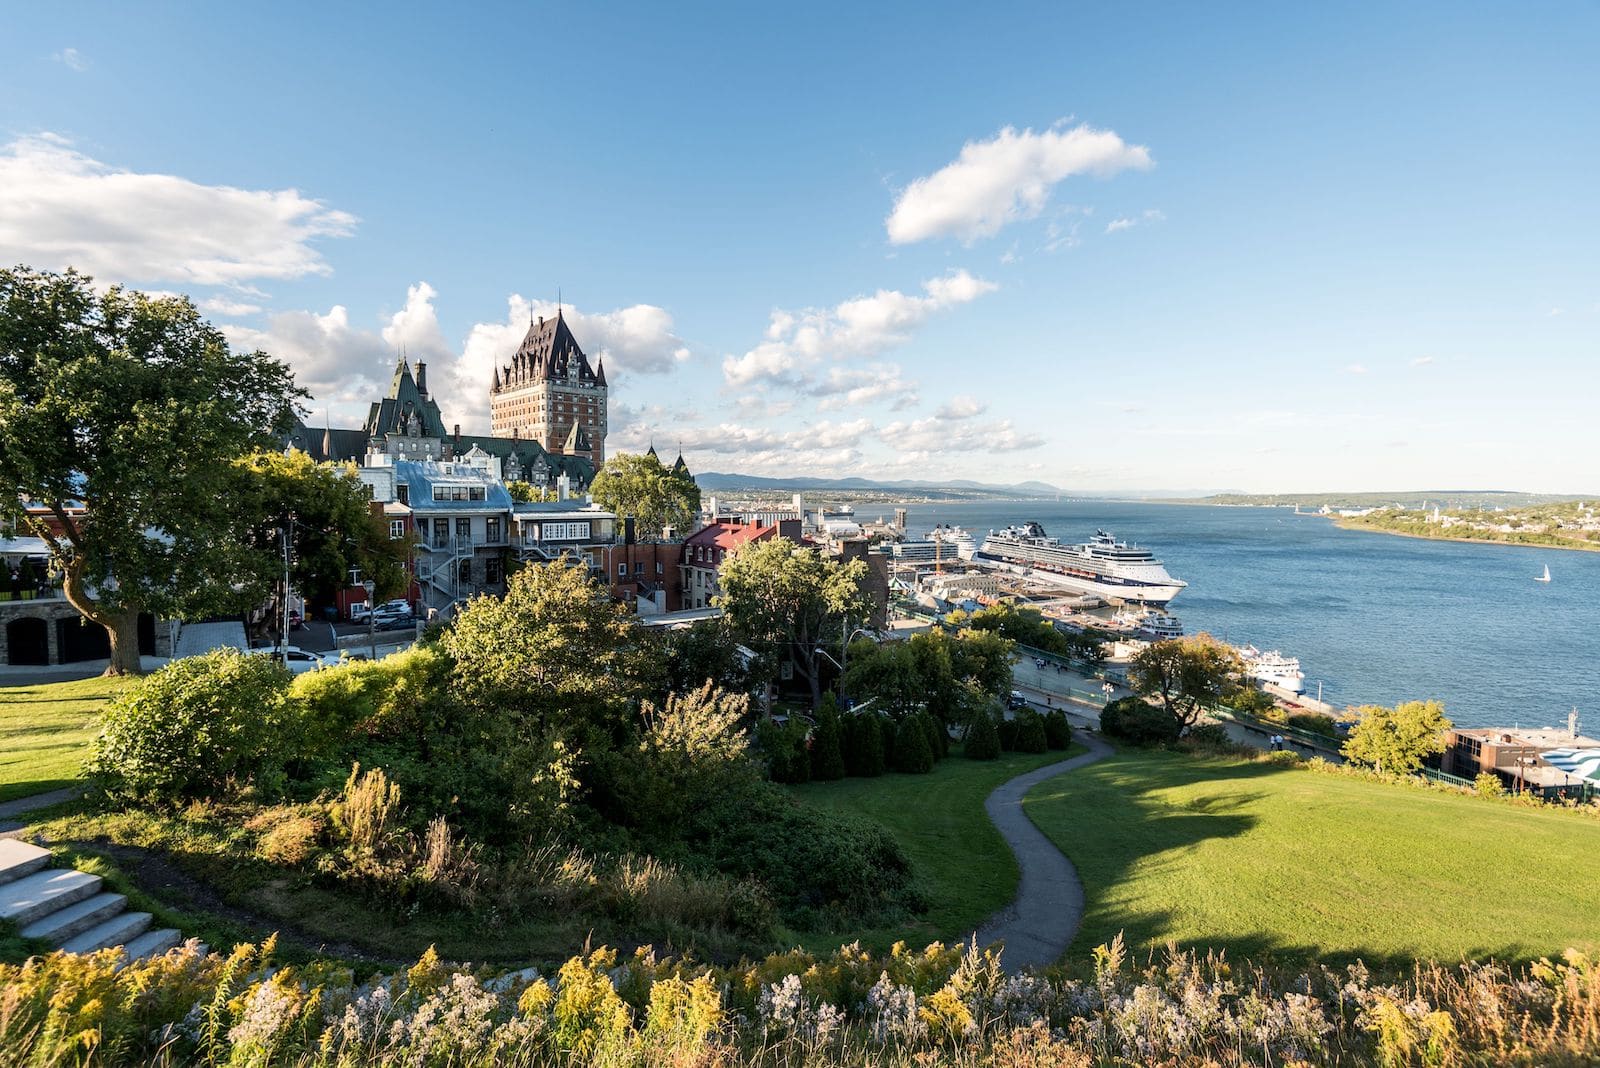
(705, 549)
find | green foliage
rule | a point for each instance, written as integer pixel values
(704, 651)
(1030, 736)
(1028, 626)
(1396, 740)
(1186, 675)
(1253, 702)
(1136, 721)
(400, 697)
(863, 745)
(690, 750)
(136, 407)
(639, 486)
(334, 528)
(1057, 729)
(827, 754)
(938, 735)
(200, 727)
(783, 745)
(1313, 722)
(983, 739)
(886, 675)
(783, 599)
(526, 492)
(912, 754)
(1488, 784)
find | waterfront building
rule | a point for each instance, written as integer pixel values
(1523, 758)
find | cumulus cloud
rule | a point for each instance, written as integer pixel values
(344, 367)
(797, 342)
(847, 387)
(1004, 179)
(64, 209)
(940, 433)
(964, 406)
(71, 58)
(225, 307)
(1128, 222)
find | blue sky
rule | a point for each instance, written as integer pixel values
(1267, 248)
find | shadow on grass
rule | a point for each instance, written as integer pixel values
(1137, 824)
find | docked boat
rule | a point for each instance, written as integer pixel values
(1274, 668)
(1147, 623)
(1103, 566)
(944, 543)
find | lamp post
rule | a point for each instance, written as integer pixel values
(372, 639)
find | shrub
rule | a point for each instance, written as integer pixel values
(912, 753)
(1136, 721)
(403, 696)
(196, 728)
(1030, 733)
(938, 737)
(287, 836)
(888, 730)
(863, 754)
(784, 747)
(1488, 784)
(827, 753)
(1213, 739)
(691, 749)
(1057, 729)
(1314, 722)
(983, 740)
(1007, 732)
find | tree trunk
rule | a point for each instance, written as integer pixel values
(122, 626)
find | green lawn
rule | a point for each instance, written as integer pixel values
(45, 732)
(1268, 861)
(962, 864)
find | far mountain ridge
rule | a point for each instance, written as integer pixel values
(723, 481)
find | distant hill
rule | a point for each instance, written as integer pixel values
(718, 481)
(1444, 498)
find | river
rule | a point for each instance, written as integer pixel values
(1375, 618)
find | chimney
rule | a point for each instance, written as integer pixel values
(422, 378)
(563, 488)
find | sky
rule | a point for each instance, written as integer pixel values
(1114, 248)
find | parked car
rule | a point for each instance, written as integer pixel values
(1017, 699)
(392, 621)
(360, 611)
(299, 661)
(397, 605)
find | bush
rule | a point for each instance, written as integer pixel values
(1057, 730)
(827, 752)
(1007, 732)
(1488, 784)
(198, 727)
(1030, 737)
(1133, 720)
(1314, 723)
(784, 747)
(983, 740)
(938, 737)
(690, 750)
(888, 730)
(912, 754)
(863, 755)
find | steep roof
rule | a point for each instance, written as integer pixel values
(406, 397)
(549, 351)
(730, 535)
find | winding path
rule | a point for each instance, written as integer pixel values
(1038, 926)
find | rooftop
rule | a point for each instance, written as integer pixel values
(1529, 737)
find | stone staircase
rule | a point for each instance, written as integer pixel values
(68, 909)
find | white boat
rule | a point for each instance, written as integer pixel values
(1273, 667)
(1103, 566)
(946, 544)
(1546, 576)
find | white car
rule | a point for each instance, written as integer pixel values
(299, 661)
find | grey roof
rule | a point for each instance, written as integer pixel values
(420, 476)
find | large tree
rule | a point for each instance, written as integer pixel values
(784, 601)
(639, 486)
(135, 408)
(333, 528)
(1396, 739)
(1185, 675)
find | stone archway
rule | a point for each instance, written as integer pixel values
(78, 639)
(28, 641)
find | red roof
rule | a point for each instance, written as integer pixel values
(730, 535)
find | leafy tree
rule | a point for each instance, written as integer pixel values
(983, 740)
(525, 492)
(827, 756)
(639, 486)
(911, 751)
(1396, 739)
(1057, 729)
(1135, 720)
(704, 651)
(136, 407)
(938, 736)
(783, 600)
(887, 675)
(334, 529)
(784, 746)
(691, 750)
(1185, 675)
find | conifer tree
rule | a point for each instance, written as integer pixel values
(983, 739)
(912, 754)
(827, 759)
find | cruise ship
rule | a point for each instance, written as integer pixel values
(1103, 566)
(947, 544)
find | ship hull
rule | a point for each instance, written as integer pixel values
(1154, 594)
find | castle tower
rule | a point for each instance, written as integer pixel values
(548, 392)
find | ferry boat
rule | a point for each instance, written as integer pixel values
(1103, 566)
(942, 543)
(1147, 623)
(1273, 667)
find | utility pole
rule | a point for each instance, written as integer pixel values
(283, 644)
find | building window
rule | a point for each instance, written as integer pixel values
(441, 533)
(622, 570)
(403, 492)
(397, 529)
(492, 572)
(463, 530)
(638, 567)
(659, 570)
(491, 532)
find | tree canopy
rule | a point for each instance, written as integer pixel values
(1185, 675)
(135, 408)
(784, 601)
(1396, 739)
(639, 486)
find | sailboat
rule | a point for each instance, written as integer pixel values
(1546, 576)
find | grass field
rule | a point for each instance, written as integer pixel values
(45, 732)
(1267, 861)
(962, 865)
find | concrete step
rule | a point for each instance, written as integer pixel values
(20, 858)
(62, 924)
(35, 896)
(153, 943)
(117, 931)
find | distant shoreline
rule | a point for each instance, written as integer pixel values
(1346, 524)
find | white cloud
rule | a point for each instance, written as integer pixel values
(1004, 179)
(226, 307)
(964, 406)
(942, 434)
(1128, 222)
(63, 209)
(847, 387)
(796, 342)
(1356, 369)
(1422, 361)
(345, 368)
(414, 329)
(71, 57)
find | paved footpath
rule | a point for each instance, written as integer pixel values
(1038, 926)
(22, 805)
